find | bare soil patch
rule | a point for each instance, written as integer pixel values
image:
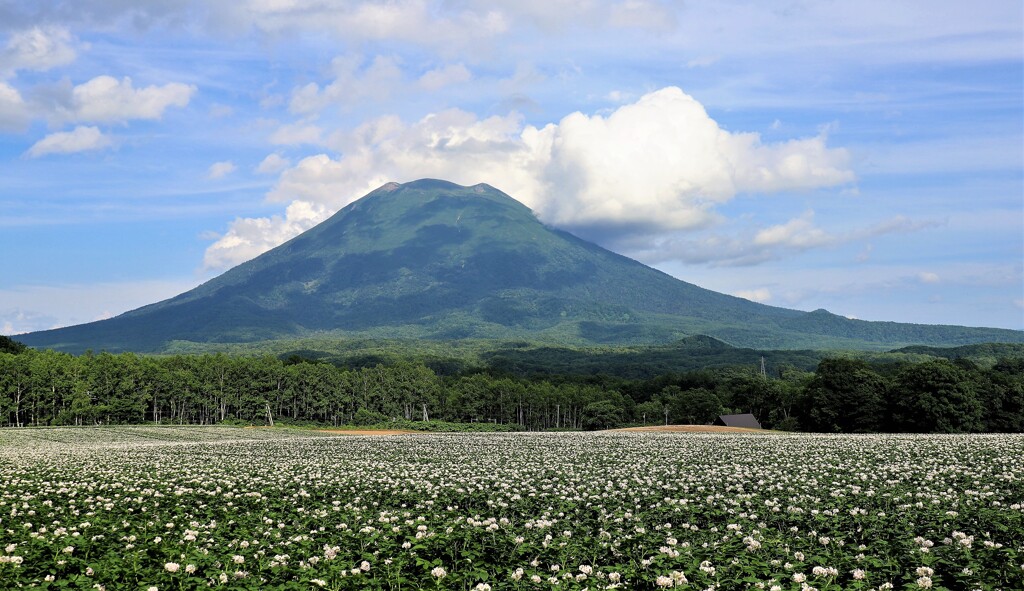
(367, 431)
(692, 429)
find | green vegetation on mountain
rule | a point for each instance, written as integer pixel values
(433, 260)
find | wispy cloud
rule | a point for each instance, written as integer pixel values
(220, 170)
(355, 80)
(749, 246)
(293, 134)
(443, 76)
(28, 308)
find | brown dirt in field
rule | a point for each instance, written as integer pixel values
(692, 429)
(367, 431)
(349, 431)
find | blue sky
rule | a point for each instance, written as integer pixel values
(866, 158)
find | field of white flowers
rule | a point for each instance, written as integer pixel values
(144, 508)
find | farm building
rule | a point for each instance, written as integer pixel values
(745, 420)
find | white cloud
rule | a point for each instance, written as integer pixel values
(618, 96)
(105, 99)
(354, 81)
(663, 162)
(438, 78)
(642, 14)
(554, 16)
(658, 163)
(702, 61)
(753, 246)
(273, 164)
(294, 134)
(928, 277)
(80, 139)
(1019, 303)
(871, 31)
(219, 111)
(419, 22)
(14, 112)
(250, 237)
(797, 233)
(897, 224)
(219, 170)
(760, 294)
(37, 49)
(321, 180)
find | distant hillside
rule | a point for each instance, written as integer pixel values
(434, 260)
(524, 358)
(643, 362)
(985, 354)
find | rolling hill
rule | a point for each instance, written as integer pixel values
(433, 260)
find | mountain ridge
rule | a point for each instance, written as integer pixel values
(432, 259)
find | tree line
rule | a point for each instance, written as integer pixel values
(843, 395)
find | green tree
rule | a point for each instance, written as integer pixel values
(1002, 395)
(699, 406)
(844, 396)
(750, 393)
(650, 412)
(52, 383)
(602, 414)
(15, 386)
(936, 397)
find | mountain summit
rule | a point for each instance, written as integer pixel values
(432, 259)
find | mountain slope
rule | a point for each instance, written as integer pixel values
(431, 259)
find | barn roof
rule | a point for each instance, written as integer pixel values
(743, 420)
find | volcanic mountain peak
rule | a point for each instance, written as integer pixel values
(432, 259)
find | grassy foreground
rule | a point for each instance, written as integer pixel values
(231, 508)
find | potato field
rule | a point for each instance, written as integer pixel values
(170, 508)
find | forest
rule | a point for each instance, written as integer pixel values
(939, 395)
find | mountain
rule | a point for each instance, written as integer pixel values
(431, 259)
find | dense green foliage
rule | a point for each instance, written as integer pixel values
(842, 395)
(639, 362)
(9, 345)
(433, 260)
(986, 354)
(246, 509)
